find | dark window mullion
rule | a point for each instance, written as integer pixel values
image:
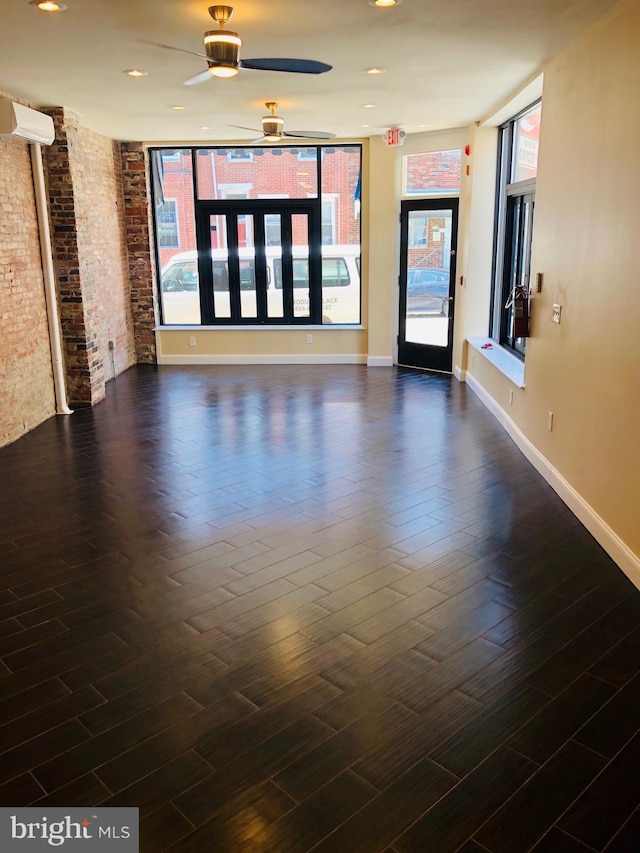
(260, 265)
(510, 268)
(315, 264)
(287, 267)
(519, 250)
(234, 265)
(205, 271)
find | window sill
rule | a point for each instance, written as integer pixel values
(326, 327)
(508, 364)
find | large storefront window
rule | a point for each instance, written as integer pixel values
(265, 235)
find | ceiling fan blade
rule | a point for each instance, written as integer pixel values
(199, 78)
(242, 127)
(294, 66)
(178, 49)
(309, 134)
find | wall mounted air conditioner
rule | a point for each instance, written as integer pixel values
(25, 123)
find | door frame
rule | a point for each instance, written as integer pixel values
(410, 354)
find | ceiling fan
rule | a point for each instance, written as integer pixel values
(273, 128)
(222, 48)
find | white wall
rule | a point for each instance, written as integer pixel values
(586, 244)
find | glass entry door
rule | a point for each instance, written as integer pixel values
(428, 236)
(257, 263)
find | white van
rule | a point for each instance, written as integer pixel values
(340, 284)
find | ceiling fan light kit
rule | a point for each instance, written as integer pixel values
(273, 128)
(222, 46)
(48, 5)
(272, 125)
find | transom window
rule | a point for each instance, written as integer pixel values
(432, 173)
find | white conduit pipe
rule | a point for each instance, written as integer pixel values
(49, 281)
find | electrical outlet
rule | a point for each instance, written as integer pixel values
(556, 312)
(309, 339)
(192, 341)
(549, 421)
(511, 397)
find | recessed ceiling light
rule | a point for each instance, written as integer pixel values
(369, 106)
(376, 71)
(384, 4)
(48, 5)
(135, 72)
(205, 127)
(177, 107)
(366, 125)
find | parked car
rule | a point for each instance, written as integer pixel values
(340, 282)
(180, 274)
(428, 291)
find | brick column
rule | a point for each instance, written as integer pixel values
(140, 250)
(84, 365)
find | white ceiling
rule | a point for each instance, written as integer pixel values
(447, 63)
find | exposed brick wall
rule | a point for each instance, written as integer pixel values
(87, 221)
(66, 260)
(140, 251)
(101, 238)
(26, 382)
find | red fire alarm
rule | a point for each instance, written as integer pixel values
(467, 149)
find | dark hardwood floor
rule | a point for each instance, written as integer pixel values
(311, 608)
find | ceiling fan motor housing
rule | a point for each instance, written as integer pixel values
(222, 47)
(272, 125)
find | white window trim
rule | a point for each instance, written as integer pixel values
(332, 200)
(176, 222)
(226, 190)
(174, 157)
(248, 158)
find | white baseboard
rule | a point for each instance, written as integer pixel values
(460, 374)
(260, 359)
(628, 561)
(379, 361)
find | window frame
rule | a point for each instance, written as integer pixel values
(508, 252)
(205, 207)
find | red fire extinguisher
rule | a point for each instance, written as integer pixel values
(519, 299)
